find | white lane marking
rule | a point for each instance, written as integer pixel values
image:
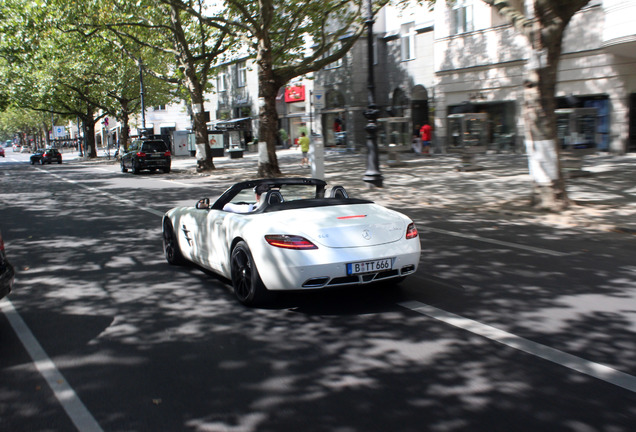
(596, 370)
(174, 182)
(493, 241)
(578, 364)
(108, 194)
(64, 393)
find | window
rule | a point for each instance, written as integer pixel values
(407, 41)
(159, 108)
(337, 63)
(221, 81)
(462, 17)
(241, 77)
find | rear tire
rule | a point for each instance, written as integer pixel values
(247, 283)
(171, 245)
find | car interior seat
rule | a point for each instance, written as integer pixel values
(274, 197)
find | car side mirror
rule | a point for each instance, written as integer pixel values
(203, 204)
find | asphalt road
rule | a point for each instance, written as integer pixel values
(505, 326)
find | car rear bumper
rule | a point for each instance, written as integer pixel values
(154, 163)
(328, 268)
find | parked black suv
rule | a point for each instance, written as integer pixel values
(146, 155)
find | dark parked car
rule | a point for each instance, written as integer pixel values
(48, 155)
(146, 155)
(7, 272)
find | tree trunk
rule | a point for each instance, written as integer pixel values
(89, 138)
(205, 163)
(548, 185)
(268, 127)
(195, 83)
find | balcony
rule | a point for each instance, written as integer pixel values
(619, 33)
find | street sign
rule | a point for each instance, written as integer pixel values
(59, 131)
(319, 100)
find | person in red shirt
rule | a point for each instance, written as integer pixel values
(425, 136)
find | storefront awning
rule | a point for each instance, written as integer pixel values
(238, 123)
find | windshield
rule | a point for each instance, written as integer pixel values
(154, 146)
(289, 192)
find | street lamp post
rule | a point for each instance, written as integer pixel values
(373, 176)
(143, 105)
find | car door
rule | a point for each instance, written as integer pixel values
(127, 157)
(219, 239)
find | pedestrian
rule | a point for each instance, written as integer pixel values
(425, 135)
(247, 207)
(417, 141)
(303, 142)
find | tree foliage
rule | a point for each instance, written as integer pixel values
(49, 66)
(288, 39)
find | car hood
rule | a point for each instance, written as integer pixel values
(342, 226)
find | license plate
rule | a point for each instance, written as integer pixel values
(369, 266)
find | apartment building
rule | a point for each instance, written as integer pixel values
(480, 61)
(404, 81)
(430, 64)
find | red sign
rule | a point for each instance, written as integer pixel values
(295, 93)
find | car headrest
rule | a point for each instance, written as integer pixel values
(274, 197)
(338, 192)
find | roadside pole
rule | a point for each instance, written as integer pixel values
(317, 156)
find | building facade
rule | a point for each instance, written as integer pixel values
(480, 62)
(460, 57)
(403, 80)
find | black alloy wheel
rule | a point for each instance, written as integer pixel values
(247, 284)
(135, 167)
(170, 245)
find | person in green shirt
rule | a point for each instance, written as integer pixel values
(303, 142)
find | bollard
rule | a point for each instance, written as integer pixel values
(317, 157)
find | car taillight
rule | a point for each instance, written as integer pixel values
(141, 154)
(411, 231)
(290, 242)
(166, 154)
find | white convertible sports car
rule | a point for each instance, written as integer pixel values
(298, 235)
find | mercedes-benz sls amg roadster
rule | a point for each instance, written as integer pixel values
(291, 234)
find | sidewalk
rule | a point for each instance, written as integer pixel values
(604, 199)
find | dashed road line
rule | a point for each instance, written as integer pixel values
(83, 420)
(493, 241)
(108, 194)
(596, 370)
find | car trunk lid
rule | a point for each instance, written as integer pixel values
(350, 225)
